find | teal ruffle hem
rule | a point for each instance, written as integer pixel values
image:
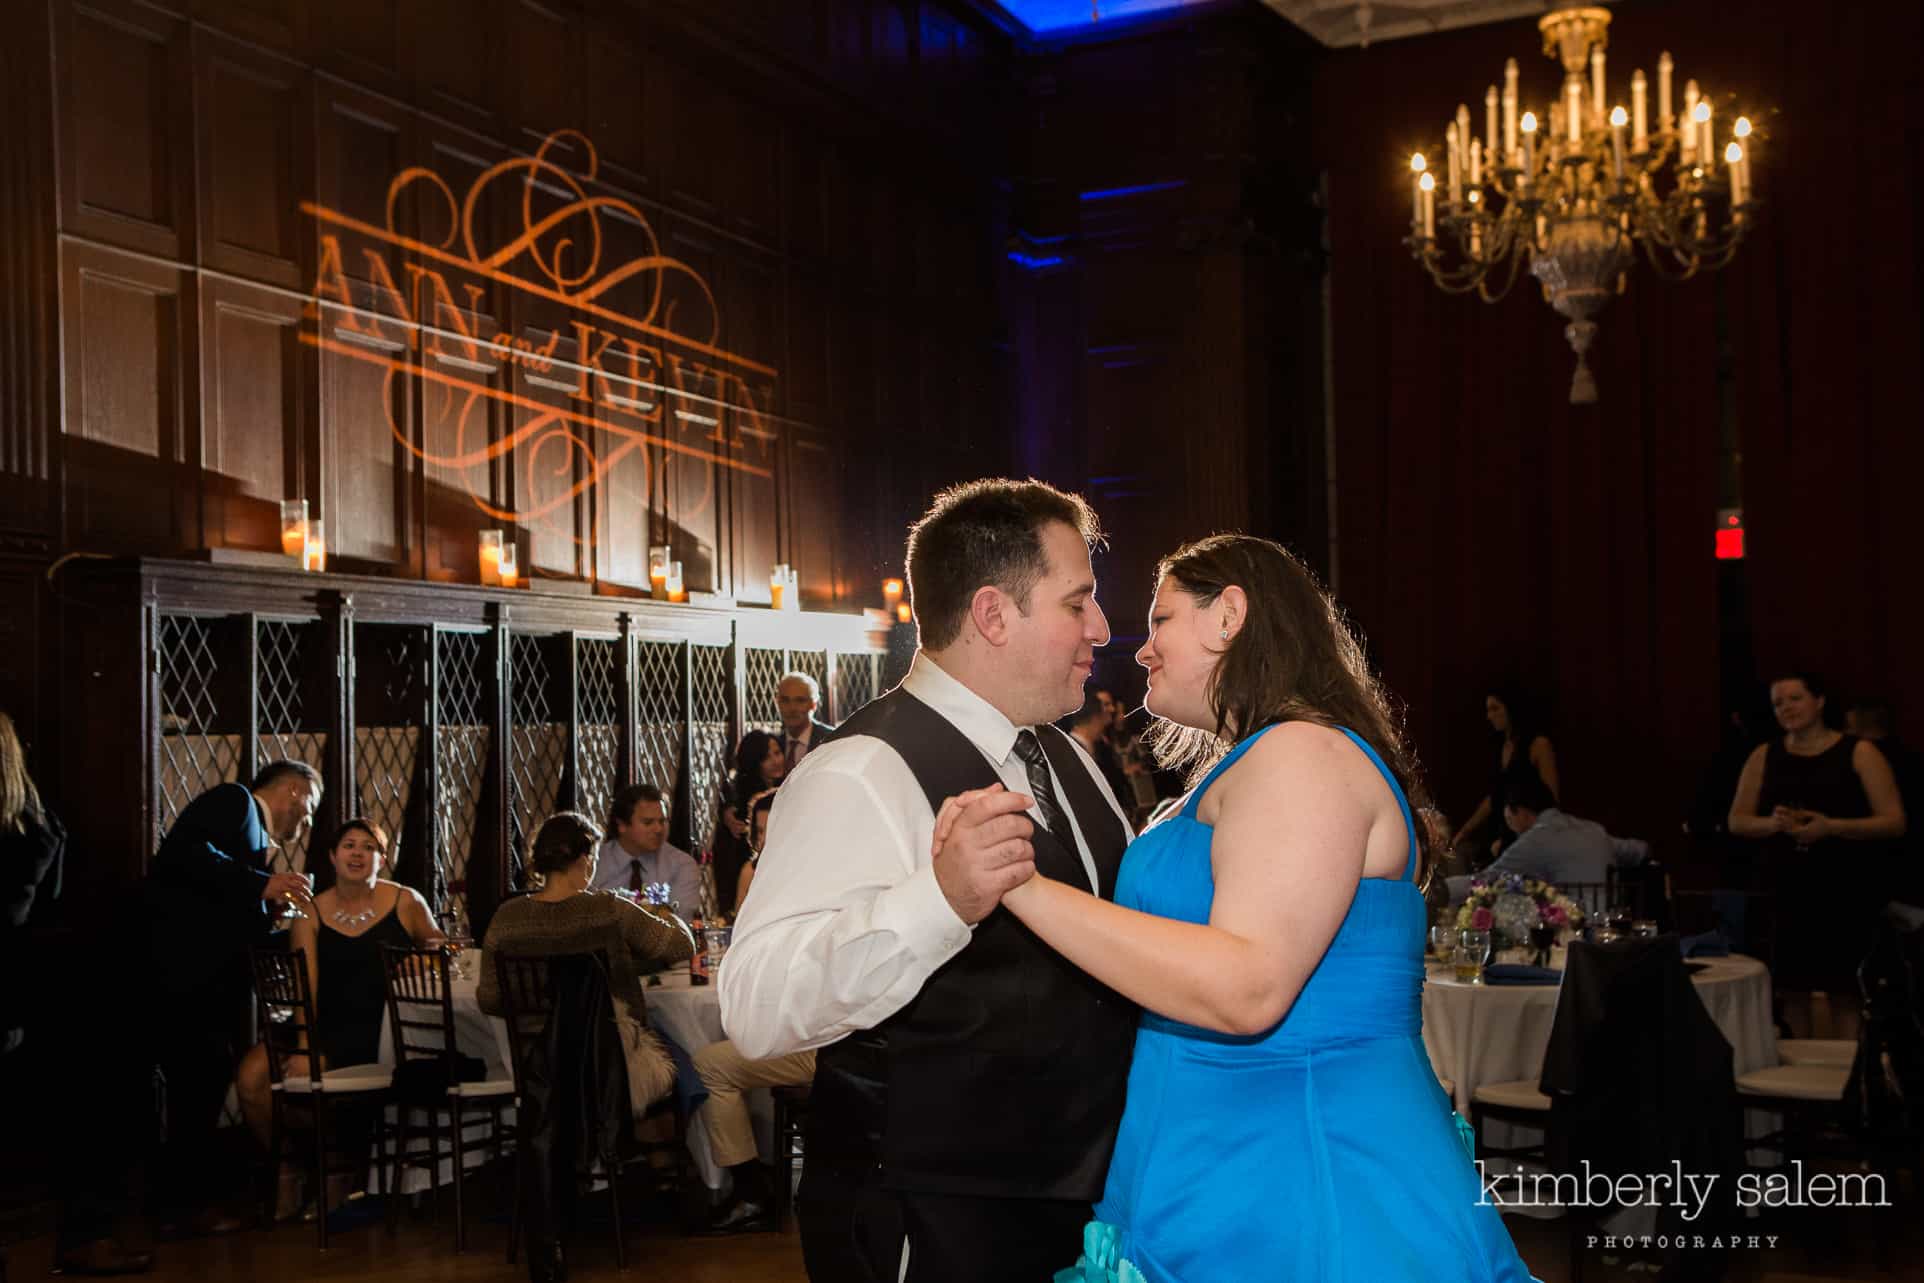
(1101, 1260)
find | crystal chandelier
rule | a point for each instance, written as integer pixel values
(1573, 196)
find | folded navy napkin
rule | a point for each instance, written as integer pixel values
(1509, 973)
(1711, 944)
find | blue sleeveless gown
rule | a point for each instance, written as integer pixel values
(1323, 1150)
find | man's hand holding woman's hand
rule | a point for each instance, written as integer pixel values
(982, 850)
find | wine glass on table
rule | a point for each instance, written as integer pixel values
(454, 926)
(1472, 953)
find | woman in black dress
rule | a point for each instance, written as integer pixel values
(342, 939)
(1520, 749)
(759, 766)
(1827, 805)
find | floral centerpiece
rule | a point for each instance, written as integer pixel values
(1516, 911)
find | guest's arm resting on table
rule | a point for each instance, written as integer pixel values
(850, 918)
(1292, 829)
(1887, 818)
(653, 934)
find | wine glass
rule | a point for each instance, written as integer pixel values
(291, 908)
(1472, 952)
(1442, 941)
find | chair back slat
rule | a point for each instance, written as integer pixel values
(420, 1004)
(286, 1003)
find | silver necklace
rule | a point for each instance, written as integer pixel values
(358, 918)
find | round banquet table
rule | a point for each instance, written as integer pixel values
(1479, 1034)
(689, 1014)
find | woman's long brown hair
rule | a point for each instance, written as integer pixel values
(1295, 659)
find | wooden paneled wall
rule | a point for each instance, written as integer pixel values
(824, 166)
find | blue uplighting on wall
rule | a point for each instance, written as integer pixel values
(1059, 17)
(1114, 193)
(1035, 262)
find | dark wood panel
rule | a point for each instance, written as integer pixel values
(256, 393)
(615, 112)
(815, 495)
(29, 342)
(362, 39)
(256, 165)
(130, 395)
(544, 65)
(126, 153)
(458, 58)
(682, 107)
(361, 143)
(278, 24)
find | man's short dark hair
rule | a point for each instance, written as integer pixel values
(1528, 793)
(275, 772)
(622, 810)
(981, 533)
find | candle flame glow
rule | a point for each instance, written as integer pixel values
(1743, 126)
(1529, 122)
(1619, 117)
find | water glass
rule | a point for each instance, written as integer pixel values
(1472, 952)
(1442, 941)
(714, 943)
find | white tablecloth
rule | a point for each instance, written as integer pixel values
(689, 1014)
(1479, 1034)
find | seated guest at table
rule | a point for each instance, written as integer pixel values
(1828, 807)
(1551, 844)
(1521, 751)
(729, 1076)
(342, 939)
(758, 809)
(759, 767)
(637, 851)
(565, 916)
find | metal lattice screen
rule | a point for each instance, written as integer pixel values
(390, 709)
(286, 726)
(658, 715)
(598, 737)
(460, 749)
(538, 739)
(815, 664)
(856, 680)
(762, 671)
(708, 768)
(199, 744)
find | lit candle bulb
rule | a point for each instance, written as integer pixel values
(891, 592)
(1706, 136)
(658, 571)
(1463, 136)
(510, 568)
(1476, 164)
(1743, 132)
(1489, 123)
(1734, 157)
(1427, 183)
(1686, 124)
(777, 584)
(491, 546)
(1528, 127)
(1450, 135)
(673, 582)
(314, 546)
(1663, 92)
(293, 526)
(903, 614)
(1618, 119)
(1596, 82)
(1639, 114)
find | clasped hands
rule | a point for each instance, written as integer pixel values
(1804, 827)
(982, 849)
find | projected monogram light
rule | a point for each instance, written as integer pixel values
(597, 387)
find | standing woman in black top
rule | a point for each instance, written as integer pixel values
(1828, 805)
(32, 844)
(1521, 749)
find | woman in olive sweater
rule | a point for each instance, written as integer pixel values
(564, 916)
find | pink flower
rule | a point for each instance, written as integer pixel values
(1555, 914)
(1482, 920)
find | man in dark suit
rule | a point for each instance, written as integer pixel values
(796, 698)
(209, 897)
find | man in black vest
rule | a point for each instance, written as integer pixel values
(969, 1080)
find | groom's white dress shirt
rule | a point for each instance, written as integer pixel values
(845, 921)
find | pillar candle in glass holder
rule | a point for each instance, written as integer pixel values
(672, 583)
(492, 542)
(891, 592)
(314, 545)
(658, 555)
(792, 594)
(510, 566)
(293, 526)
(777, 585)
(903, 615)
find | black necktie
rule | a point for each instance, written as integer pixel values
(1042, 788)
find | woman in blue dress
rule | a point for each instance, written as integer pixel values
(1282, 1121)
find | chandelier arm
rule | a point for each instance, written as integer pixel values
(1509, 283)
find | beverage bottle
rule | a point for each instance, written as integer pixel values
(698, 960)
